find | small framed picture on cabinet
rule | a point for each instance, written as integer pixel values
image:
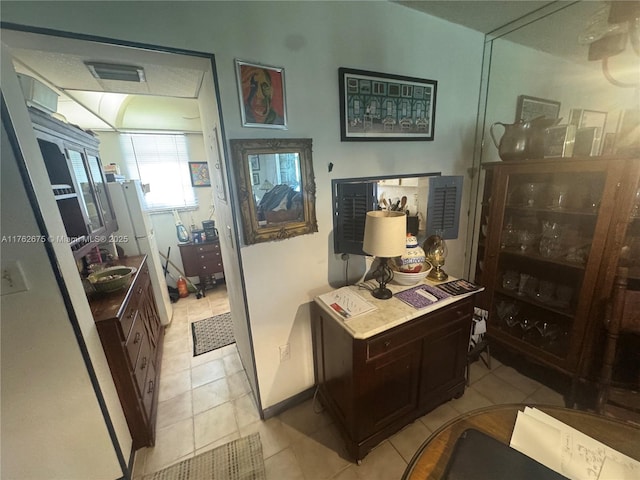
(559, 141)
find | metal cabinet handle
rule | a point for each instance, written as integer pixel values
(150, 389)
(144, 363)
(137, 338)
(387, 343)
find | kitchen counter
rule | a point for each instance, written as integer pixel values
(388, 313)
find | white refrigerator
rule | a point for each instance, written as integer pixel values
(136, 229)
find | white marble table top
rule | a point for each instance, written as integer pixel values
(388, 313)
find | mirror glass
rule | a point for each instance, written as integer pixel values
(276, 188)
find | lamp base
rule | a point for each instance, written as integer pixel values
(437, 274)
(382, 293)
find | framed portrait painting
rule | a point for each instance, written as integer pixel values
(262, 95)
(379, 106)
(199, 172)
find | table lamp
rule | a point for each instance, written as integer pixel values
(385, 237)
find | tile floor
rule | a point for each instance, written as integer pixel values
(205, 401)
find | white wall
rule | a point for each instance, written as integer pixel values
(311, 40)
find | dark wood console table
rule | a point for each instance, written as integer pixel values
(379, 371)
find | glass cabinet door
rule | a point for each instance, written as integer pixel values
(88, 195)
(545, 242)
(100, 188)
(630, 253)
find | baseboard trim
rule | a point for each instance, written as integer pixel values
(290, 402)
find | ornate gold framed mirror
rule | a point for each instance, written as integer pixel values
(276, 187)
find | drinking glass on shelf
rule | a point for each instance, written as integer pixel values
(635, 211)
(532, 193)
(524, 278)
(527, 325)
(559, 197)
(527, 240)
(510, 280)
(551, 239)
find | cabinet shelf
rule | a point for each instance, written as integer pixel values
(540, 258)
(62, 191)
(551, 353)
(530, 301)
(549, 210)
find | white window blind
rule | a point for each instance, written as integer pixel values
(162, 161)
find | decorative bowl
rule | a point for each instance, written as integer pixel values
(111, 279)
(405, 278)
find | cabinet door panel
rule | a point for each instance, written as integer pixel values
(88, 194)
(389, 388)
(443, 364)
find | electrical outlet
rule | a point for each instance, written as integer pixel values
(285, 353)
(13, 280)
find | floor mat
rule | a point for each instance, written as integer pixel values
(212, 333)
(237, 460)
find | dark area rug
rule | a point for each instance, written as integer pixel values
(212, 333)
(237, 460)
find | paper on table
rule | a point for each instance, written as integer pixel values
(346, 302)
(537, 440)
(580, 457)
(614, 470)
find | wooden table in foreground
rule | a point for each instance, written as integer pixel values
(431, 459)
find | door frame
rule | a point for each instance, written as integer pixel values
(234, 251)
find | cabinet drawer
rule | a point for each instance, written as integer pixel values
(207, 247)
(143, 364)
(149, 388)
(417, 329)
(135, 338)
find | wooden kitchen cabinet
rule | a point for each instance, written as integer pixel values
(373, 385)
(203, 260)
(551, 235)
(131, 334)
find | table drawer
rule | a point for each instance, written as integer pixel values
(417, 329)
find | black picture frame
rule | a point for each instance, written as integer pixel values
(199, 174)
(529, 108)
(383, 107)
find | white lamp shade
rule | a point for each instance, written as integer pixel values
(385, 233)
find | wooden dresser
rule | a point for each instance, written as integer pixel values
(131, 335)
(202, 260)
(379, 371)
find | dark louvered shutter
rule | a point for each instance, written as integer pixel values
(443, 209)
(352, 202)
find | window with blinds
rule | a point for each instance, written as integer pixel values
(443, 207)
(162, 161)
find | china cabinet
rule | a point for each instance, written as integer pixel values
(549, 243)
(78, 182)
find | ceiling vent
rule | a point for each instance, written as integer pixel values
(112, 71)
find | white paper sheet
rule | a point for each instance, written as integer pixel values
(578, 456)
(346, 302)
